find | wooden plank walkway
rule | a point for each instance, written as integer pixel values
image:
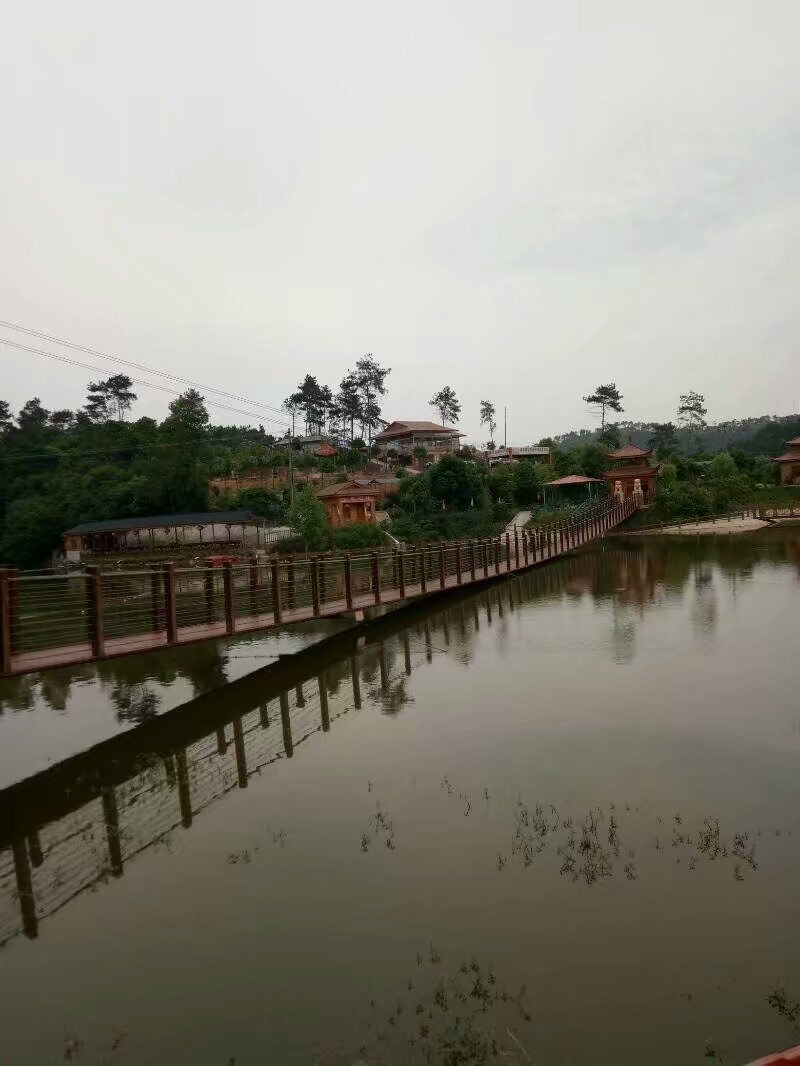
(488, 560)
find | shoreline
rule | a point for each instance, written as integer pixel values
(707, 527)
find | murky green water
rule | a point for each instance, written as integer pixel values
(586, 780)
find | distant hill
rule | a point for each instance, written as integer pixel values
(764, 435)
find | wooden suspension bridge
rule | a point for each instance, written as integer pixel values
(55, 620)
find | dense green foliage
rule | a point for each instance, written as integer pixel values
(59, 468)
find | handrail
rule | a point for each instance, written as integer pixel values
(56, 619)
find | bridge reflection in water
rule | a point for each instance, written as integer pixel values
(78, 824)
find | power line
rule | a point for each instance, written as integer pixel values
(141, 381)
(137, 366)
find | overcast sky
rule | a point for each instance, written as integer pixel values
(520, 199)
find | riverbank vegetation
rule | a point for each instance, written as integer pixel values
(62, 467)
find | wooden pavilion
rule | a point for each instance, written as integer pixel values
(350, 502)
(631, 470)
(159, 532)
(574, 488)
(790, 463)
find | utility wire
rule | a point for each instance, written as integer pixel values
(148, 384)
(137, 366)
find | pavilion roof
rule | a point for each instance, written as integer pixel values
(572, 479)
(164, 521)
(351, 488)
(630, 451)
(788, 457)
(402, 429)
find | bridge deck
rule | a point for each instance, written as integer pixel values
(488, 560)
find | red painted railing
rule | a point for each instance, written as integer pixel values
(59, 619)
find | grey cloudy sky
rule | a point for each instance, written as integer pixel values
(521, 199)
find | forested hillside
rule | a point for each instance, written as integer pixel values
(762, 435)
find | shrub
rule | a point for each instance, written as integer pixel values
(358, 535)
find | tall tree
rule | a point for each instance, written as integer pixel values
(326, 409)
(606, 398)
(121, 394)
(184, 455)
(32, 415)
(692, 412)
(371, 377)
(348, 400)
(446, 403)
(489, 418)
(110, 399)
(6, 418)
(291, 406)
(309, 399)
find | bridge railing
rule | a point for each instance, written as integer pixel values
(94, 614)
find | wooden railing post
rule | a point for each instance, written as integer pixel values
(208, 588)
(323, 703)
(525, 547)
(240, 753)
(459, 578)
(472, 560)
(230, 609)
(323, 580)
(348, 581)
(485, 553)
(376, 576)
(496, 556)
(253, 583)
(95, 612)
(276, 591)
(516, 547)
(5, 624)
(290, 581)
(401, 575)
(442, 566)
(315, 601)
(423, 570)
(508, 552)
(395, 572)
(170, 606)
(286, 724)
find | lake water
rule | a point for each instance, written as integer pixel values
(563, 811)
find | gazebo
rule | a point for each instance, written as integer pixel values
(629, 465)
(573, 488)
(350, 502)
(790, 463)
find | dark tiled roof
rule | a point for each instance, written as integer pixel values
(629, 451)
(161, 521)
(399, 429)
(350, 488)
